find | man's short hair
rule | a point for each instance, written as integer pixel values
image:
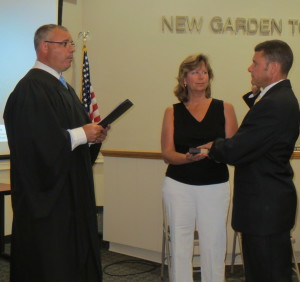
(277, 51)
(43, 31)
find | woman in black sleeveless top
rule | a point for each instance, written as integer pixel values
(196, 191)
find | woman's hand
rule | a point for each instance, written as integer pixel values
(197, 157)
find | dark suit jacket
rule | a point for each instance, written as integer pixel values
(250, 101)
(264, 200)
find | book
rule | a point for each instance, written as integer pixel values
(116, 113)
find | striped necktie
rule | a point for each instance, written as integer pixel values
(62, 80)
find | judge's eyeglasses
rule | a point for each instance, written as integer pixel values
(62, 43)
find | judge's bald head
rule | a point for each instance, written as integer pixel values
(54, 46)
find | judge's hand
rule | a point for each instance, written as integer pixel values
(95, 133)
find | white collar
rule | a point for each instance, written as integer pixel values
(40, 65)
(267, 88)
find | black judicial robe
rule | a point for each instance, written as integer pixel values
(54, 234)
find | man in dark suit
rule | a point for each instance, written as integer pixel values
(264, 202)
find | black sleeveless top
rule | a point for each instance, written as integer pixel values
(188, 132)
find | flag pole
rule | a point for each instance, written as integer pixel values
(84, 35)
(88, 96)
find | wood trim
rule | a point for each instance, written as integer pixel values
(136, 154)
(132, 154)
(296, 155)
(4, 188)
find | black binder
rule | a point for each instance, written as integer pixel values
(116, 113)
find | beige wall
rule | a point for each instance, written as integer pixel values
(131, 57)
(133, 207)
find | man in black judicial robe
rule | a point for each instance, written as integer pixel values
(54, 234)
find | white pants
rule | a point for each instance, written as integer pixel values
(204, 207)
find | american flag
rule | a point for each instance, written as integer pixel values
(88, 96)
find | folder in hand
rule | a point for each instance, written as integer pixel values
(116, 113)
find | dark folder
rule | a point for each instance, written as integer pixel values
(117, 112)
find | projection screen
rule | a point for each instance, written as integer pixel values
(18, 22)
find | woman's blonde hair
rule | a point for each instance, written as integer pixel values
(189, 64)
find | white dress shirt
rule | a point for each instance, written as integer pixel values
(262, 93)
